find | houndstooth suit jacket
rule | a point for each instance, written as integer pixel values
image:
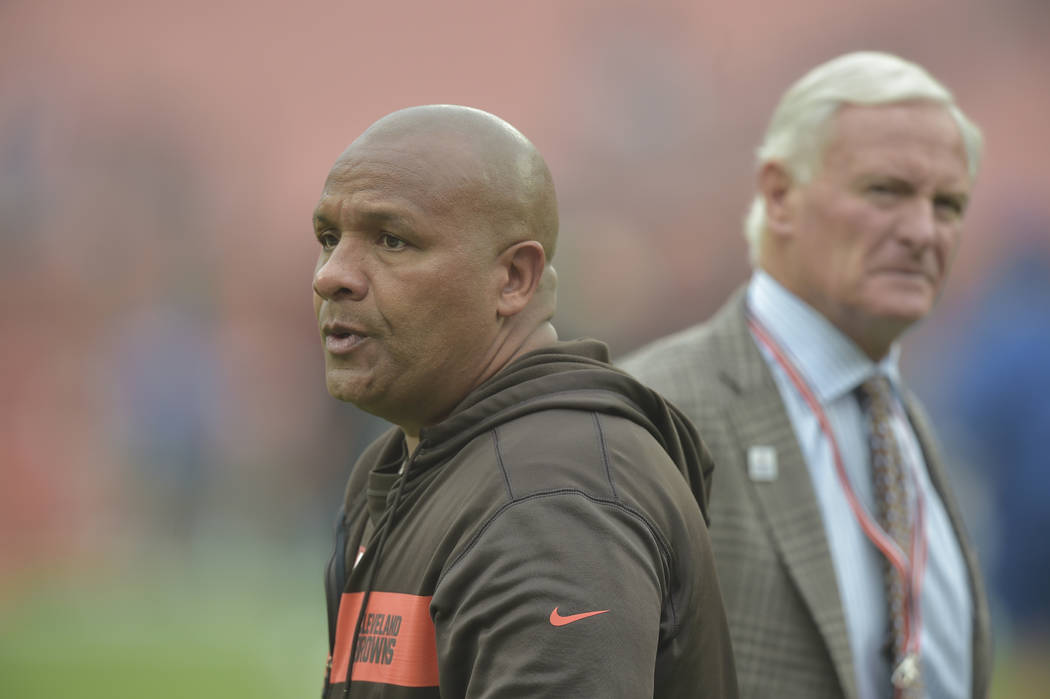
(786, 620)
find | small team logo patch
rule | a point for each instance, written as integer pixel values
(559, 620)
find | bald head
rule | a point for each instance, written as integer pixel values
(475, 161)
(436, 229)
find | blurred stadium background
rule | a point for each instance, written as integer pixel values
(169, 460)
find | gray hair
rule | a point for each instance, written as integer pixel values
(799, 128)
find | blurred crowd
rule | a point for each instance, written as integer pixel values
(159, 164)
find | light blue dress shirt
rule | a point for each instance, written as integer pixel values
(833, 366)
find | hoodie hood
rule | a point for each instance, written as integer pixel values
(567, 375)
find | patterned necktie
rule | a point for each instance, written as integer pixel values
(892, 511)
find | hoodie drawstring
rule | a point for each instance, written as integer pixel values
(372, 574)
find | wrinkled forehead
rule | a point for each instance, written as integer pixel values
(419, 189)
(909, 133)
(418, 160)
(434, 174)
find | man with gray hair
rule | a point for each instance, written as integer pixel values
(843, 559)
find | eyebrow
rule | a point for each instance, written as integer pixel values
(898, 180)
(960, 198)
(320, 220)
(377, 217)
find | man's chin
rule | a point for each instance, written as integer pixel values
(906, 300)
(345, 388)
(910, 308)
(344, 396)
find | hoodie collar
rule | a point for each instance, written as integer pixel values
(566, 375)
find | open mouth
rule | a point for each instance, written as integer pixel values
(340, 340)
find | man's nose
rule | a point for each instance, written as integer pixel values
(918, 227)
(341, 274)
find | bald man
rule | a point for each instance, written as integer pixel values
(532, 524)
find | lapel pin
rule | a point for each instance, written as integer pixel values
(762, 463)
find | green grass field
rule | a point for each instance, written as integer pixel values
(238, 620)
(251, 624)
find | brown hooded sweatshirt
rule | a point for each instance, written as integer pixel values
(546, 540)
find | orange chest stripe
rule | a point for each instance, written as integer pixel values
(396, 644)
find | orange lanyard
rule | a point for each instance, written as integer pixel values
(909, 567)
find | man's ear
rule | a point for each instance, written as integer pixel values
(523, 265)
(776, 185)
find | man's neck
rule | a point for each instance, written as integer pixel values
(411, 442)
(873, 336)
(543, 335)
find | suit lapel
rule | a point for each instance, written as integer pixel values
(792, 514)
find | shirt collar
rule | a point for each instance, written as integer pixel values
(831, 363)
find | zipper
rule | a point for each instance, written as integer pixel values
(393, 499)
